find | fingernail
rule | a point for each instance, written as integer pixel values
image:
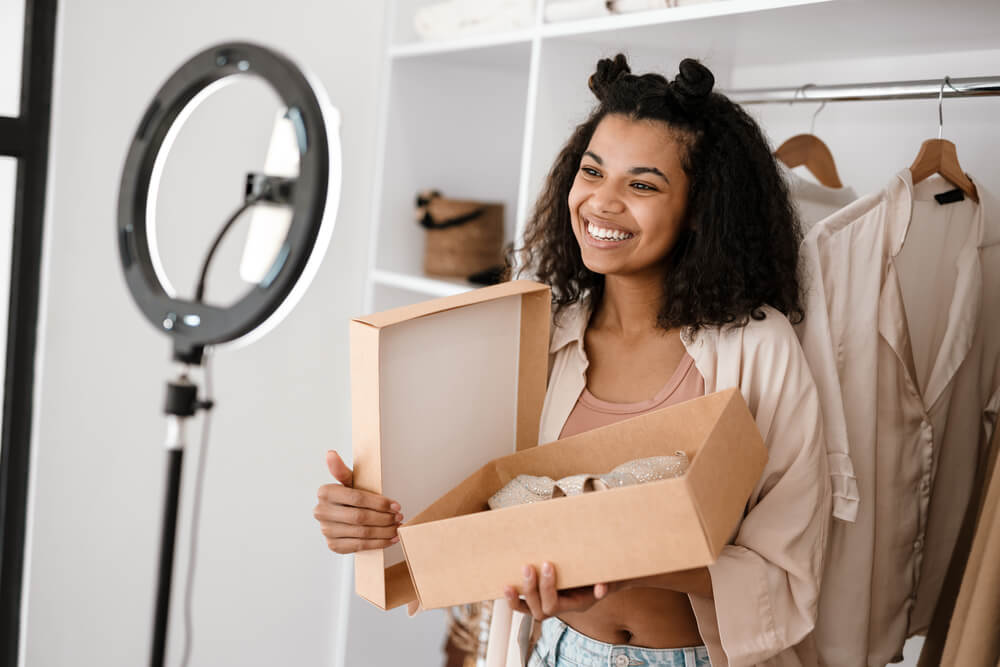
(399, 518)
(395, 507)
(527, 572)
(394, 540)
(547, 569)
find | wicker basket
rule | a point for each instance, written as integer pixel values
(463, 237)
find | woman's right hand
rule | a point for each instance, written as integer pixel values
(351, 519)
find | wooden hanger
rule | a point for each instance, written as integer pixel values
(939, 156)
(809, 151)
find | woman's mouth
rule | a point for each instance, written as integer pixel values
(606, 236)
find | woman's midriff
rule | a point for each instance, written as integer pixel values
(646, 617)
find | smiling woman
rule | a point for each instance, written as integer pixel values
(667, 236)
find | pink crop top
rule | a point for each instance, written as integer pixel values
(591, 412)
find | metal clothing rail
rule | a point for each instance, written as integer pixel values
(853, 92)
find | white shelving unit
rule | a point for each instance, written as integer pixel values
(483, 117)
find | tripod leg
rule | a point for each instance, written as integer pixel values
(175, 459)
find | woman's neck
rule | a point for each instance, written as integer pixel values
(629, 306)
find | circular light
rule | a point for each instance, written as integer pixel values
(193, 325)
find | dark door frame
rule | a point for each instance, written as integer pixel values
(27, 139)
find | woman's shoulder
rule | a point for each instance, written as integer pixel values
(767, 327)
(773, 328)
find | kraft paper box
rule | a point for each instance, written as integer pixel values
(458, 553)
(438, 389)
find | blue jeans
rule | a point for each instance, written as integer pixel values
(562, 646)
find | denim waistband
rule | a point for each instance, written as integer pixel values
(562, 646)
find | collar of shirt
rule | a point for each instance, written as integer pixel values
(801, 188)
(967, 296)
(902, 193)
(570, 325)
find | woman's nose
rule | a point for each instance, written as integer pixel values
(606, 199)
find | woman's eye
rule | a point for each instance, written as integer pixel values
(643, 186)
(590, 171)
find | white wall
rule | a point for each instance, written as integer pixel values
(266, 584)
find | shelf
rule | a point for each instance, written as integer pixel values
(431, 286)
(453, 127)
(471, 44)
(754, 31)
(656, 17)
(481, 44)
(757, 32)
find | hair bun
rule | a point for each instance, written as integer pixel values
(608, 72)
(694, 82)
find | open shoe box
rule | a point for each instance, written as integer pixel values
(459, 553)
(442, 386)
(437, 389)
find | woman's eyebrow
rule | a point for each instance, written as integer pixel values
(635, 171)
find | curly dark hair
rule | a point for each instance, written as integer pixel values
(738, 249)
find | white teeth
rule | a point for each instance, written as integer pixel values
(607, 234)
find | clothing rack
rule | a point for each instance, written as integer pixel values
(854, 92)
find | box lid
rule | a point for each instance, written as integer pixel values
(405, 313)
(438, 389)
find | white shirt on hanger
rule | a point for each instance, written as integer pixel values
(814, 201)
(902, 333)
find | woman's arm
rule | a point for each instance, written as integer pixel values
(766, 582)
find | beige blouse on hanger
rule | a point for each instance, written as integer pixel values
(902, 333)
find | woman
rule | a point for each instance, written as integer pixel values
(667, 236)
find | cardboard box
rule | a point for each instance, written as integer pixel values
(437, 389)
(458, 553)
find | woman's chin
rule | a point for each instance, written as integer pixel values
(604, 268)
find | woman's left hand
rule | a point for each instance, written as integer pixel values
(542, 600)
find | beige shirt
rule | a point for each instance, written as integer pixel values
(766, 583)
(904, 342)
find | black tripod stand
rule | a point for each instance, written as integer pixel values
(181, 404)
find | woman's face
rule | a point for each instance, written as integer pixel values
(629, 197)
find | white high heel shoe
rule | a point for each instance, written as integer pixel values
(532, 489)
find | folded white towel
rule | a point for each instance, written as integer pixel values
(626, 6)
(454, 18)
(568, 10)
